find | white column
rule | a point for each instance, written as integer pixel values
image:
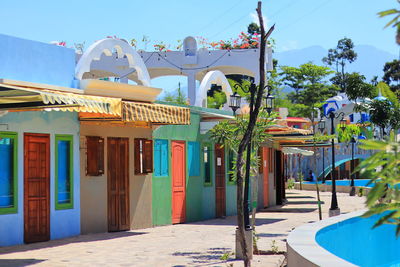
(191, 78)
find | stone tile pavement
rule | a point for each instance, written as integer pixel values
(192, 244)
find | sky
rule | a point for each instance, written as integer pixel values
(299, 23)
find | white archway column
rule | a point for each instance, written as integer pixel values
(191, 78)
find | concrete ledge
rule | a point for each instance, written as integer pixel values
(304, 251)
(328, 188)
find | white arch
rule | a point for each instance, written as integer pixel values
(106, 46)
(212, 77)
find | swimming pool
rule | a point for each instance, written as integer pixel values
(357, 182)
(353, 240)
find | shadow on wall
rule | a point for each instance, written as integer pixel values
(62, 242)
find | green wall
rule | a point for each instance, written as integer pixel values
(200, 198)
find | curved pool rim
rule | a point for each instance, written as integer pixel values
(303, 249)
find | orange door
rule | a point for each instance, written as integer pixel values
(265, 165)
(118, 183)
(178, 182)
(36, 187)
(219, 181)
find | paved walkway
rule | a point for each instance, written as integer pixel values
(193, 244)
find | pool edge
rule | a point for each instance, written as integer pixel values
(303, 249)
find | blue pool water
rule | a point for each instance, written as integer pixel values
(355, 241)
(357, 182)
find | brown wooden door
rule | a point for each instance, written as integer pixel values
(265, 165)
(178, 182)
(36, 187)
(118, 183)
(219, 181)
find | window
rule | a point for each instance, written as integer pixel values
(231, 167)
(8, 172)
(207, 164)
(194, 158)
(143, 156)
(94, 155)
(161, 158)
(64, 166)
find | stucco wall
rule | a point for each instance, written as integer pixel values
(63, 223)
(200, 198)
(33, 61)
(94, 188)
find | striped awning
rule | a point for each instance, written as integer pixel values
(18, 97)
(155, 113)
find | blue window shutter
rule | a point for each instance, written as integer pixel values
(160, 157)
(6, 173)
(64, 187)
(194, 158)
(157, 157)
(164, 158)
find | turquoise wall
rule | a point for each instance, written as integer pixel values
(63, 223)
(200, 197)
(33, 61)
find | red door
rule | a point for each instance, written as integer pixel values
(265, 165)
(219, 181)
(178, 182)
(118, 183)
(36, 187)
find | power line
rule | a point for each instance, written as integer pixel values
(305, 15)
(227, 27)
(284, 8)
(220, 16)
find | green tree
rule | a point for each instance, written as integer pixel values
(357, 87)
(176, 97)
(392, 75)
(311, 87)
(338, 57)
(230, 133)
(385, 112)
(253, 28)
(216, 98)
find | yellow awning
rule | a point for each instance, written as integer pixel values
(17, 97)
(155, 113)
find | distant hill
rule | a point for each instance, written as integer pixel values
(370, 60)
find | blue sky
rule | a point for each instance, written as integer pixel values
(299, 23)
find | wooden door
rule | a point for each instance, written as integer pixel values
(178, 182)
(220, 181)
(118, 183)
(36, 187)
(278, 178)
(265, 165)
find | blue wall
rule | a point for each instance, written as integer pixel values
(63, 223)
(33, 61)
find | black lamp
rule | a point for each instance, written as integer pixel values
(342, 124)
(235, 102)
(269, 103)
(321, 126)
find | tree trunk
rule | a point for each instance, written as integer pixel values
(256, 95)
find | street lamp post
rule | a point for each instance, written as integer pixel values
(235, 100)
(334, 209)
(353, 189)
(321, 127)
